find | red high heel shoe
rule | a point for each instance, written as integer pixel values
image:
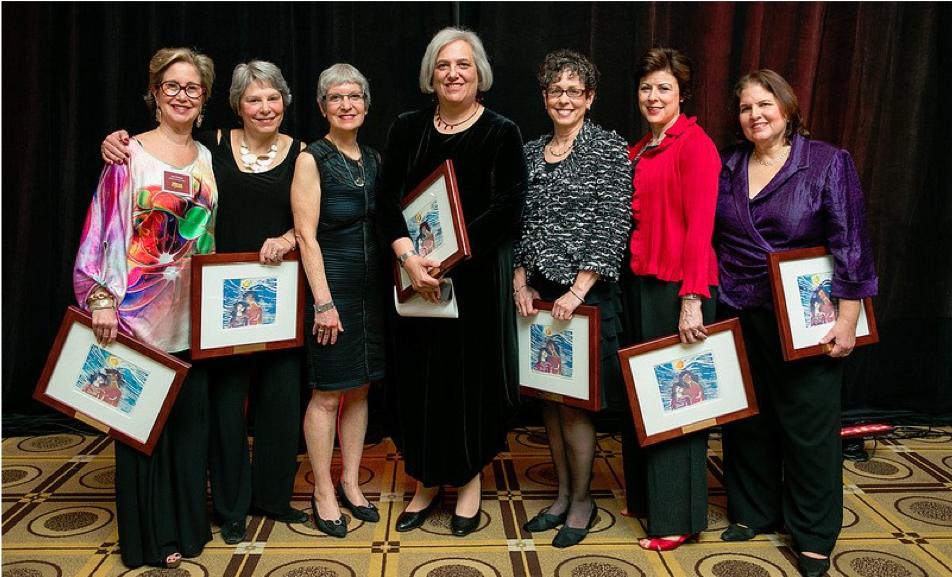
(658, 544)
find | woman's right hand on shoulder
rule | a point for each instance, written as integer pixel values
(524, 298)
(105, 326)
(115, 149)
(420, 271)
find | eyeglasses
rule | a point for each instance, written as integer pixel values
(574, 93)
(172, 88)
(338, 98)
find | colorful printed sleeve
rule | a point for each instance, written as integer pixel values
(101, 259)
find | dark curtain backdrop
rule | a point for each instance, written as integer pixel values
(869, 77)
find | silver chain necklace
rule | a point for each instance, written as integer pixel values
(358, 180)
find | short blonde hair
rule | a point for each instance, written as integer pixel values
(447, 36)
(167, 57)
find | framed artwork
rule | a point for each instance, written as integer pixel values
(676, 389)
(125, 389)
(241, 306)
(435, 224)
(559, 360)
(801, 281)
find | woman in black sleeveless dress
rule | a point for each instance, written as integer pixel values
(333, 203)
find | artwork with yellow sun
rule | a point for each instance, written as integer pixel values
(112, 380)
(249, 302)
(687, 381)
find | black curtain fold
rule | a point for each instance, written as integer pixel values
(869, 77)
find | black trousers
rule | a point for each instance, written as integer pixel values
(667, 481)
(273, 380)
(784, 466)
(160, 498)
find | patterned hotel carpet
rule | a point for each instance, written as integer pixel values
(59, 519)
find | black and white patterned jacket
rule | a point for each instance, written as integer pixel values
(577, 217)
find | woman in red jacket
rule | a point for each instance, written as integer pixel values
(676, 168)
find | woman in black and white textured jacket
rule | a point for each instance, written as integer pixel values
(569, 250)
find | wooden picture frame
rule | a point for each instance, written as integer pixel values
(125, 389)
(676, 389)
(435, 224)
(800, 282)
(225, 321)
(571, 373)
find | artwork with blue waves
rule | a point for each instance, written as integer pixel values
(249, 302)
(819, 308)
(425, 229)
(551, 351)
(687, 381)
(111, 379)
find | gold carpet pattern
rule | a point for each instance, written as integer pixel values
(59, 520)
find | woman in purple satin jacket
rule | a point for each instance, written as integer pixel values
(779, 190)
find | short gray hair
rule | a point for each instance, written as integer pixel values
(447, 36)
(342, 73)
(256, 71)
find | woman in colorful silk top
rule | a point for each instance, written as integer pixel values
(254, 166)
(147, 218)
(675, 181)
(780, 190)
(574, 229)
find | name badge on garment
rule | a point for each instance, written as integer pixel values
(177, 183)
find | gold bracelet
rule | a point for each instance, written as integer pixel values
(291, 244)
(580, 299)
(104, 303)
(691, 297)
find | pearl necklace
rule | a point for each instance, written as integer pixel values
(258, 162)
(783, 155)
(563, 153)
(447, 125)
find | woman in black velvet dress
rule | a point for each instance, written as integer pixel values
(456, 387)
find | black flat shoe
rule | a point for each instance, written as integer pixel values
(571, 536)
(408, 521)
(810, 567)
(737, 533)
(463, 526)
(336, 528)
(543, 521)
(293, 517)
(366, 513)
(233, 532)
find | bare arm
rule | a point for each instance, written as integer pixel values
(306, 206)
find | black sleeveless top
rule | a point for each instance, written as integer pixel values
(251, 206)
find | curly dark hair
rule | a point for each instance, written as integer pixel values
(559, 61)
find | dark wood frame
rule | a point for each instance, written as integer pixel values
(624, 356)
(783, 318)
(464, 251)
(199, 262)
(594, 402)
(76, 316)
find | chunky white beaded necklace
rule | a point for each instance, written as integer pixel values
(258, 162)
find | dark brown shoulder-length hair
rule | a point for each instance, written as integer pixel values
(670, 59)
(786, 100)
